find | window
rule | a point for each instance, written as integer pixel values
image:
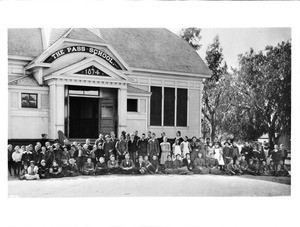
(169, 106)
(169, 101)
(155, 106)
(29, 100)
(132, 105)
(181, 107)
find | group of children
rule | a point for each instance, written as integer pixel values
(131, 154)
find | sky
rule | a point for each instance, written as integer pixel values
(235, 41)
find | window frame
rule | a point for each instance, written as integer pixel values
(137, 105)
(29, 107)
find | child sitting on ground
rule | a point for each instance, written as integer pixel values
(113, 165)
(23, 172)
(88, 168)
(200, 165)
(32, 172)
(213, 165)
(101, 167)
(244, 164)
(55, 170)
(237, 167)
(230, 167)
(188, 162)
(264, 169)
(72, 169)
(169, 166)
(141, 166)
(127, 165)
(178, 165)
(155, 164)
(281, 169)
(43, 170)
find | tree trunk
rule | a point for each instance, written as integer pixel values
(271, 138)
(213, 130)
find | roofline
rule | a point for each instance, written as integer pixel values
(62, 39)
(23, 58)
(171, 72)
(45, 65)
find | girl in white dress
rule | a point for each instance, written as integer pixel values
(185, 147)
(176, 148)
(165, 151)
(219, 155)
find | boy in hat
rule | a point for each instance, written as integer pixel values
(101, 167)
(127, 165)
(43, 170)
(72, 170)
(113, 165)
(32, 172)
(88, 168)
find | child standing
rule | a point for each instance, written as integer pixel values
(185, 147)
(121, 148)
(219, 155)
(176, 148)
(194, 148)
(153, 146)
(165, 150)
(142, 146)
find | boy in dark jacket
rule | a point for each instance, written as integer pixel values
(88, 168)
(127, 165)
(101, 167)
(141, 166)
(113, 165)
(43, 170)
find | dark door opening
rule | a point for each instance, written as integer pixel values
(84, 117)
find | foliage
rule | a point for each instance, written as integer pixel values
(192, 36)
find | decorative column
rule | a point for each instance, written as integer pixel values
(122, 109)
(56, 107)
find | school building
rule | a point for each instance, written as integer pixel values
(90, 81)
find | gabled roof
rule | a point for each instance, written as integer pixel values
(26, 42)
(135, 90)
(144, 48)
(155, 48)
(25, 81)
(56, 34)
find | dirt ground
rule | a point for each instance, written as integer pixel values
(150, 185)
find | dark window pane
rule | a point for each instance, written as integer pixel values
(28, 100)
(169, 106)
(181, 107)
(132, 105)
(155, 106)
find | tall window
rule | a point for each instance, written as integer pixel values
(29, 100)
(181, 107)
(169, 101)
(155, 110)
(169, 106)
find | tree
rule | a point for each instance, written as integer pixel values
(192, 36)
(214, 88)
(263, 91)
